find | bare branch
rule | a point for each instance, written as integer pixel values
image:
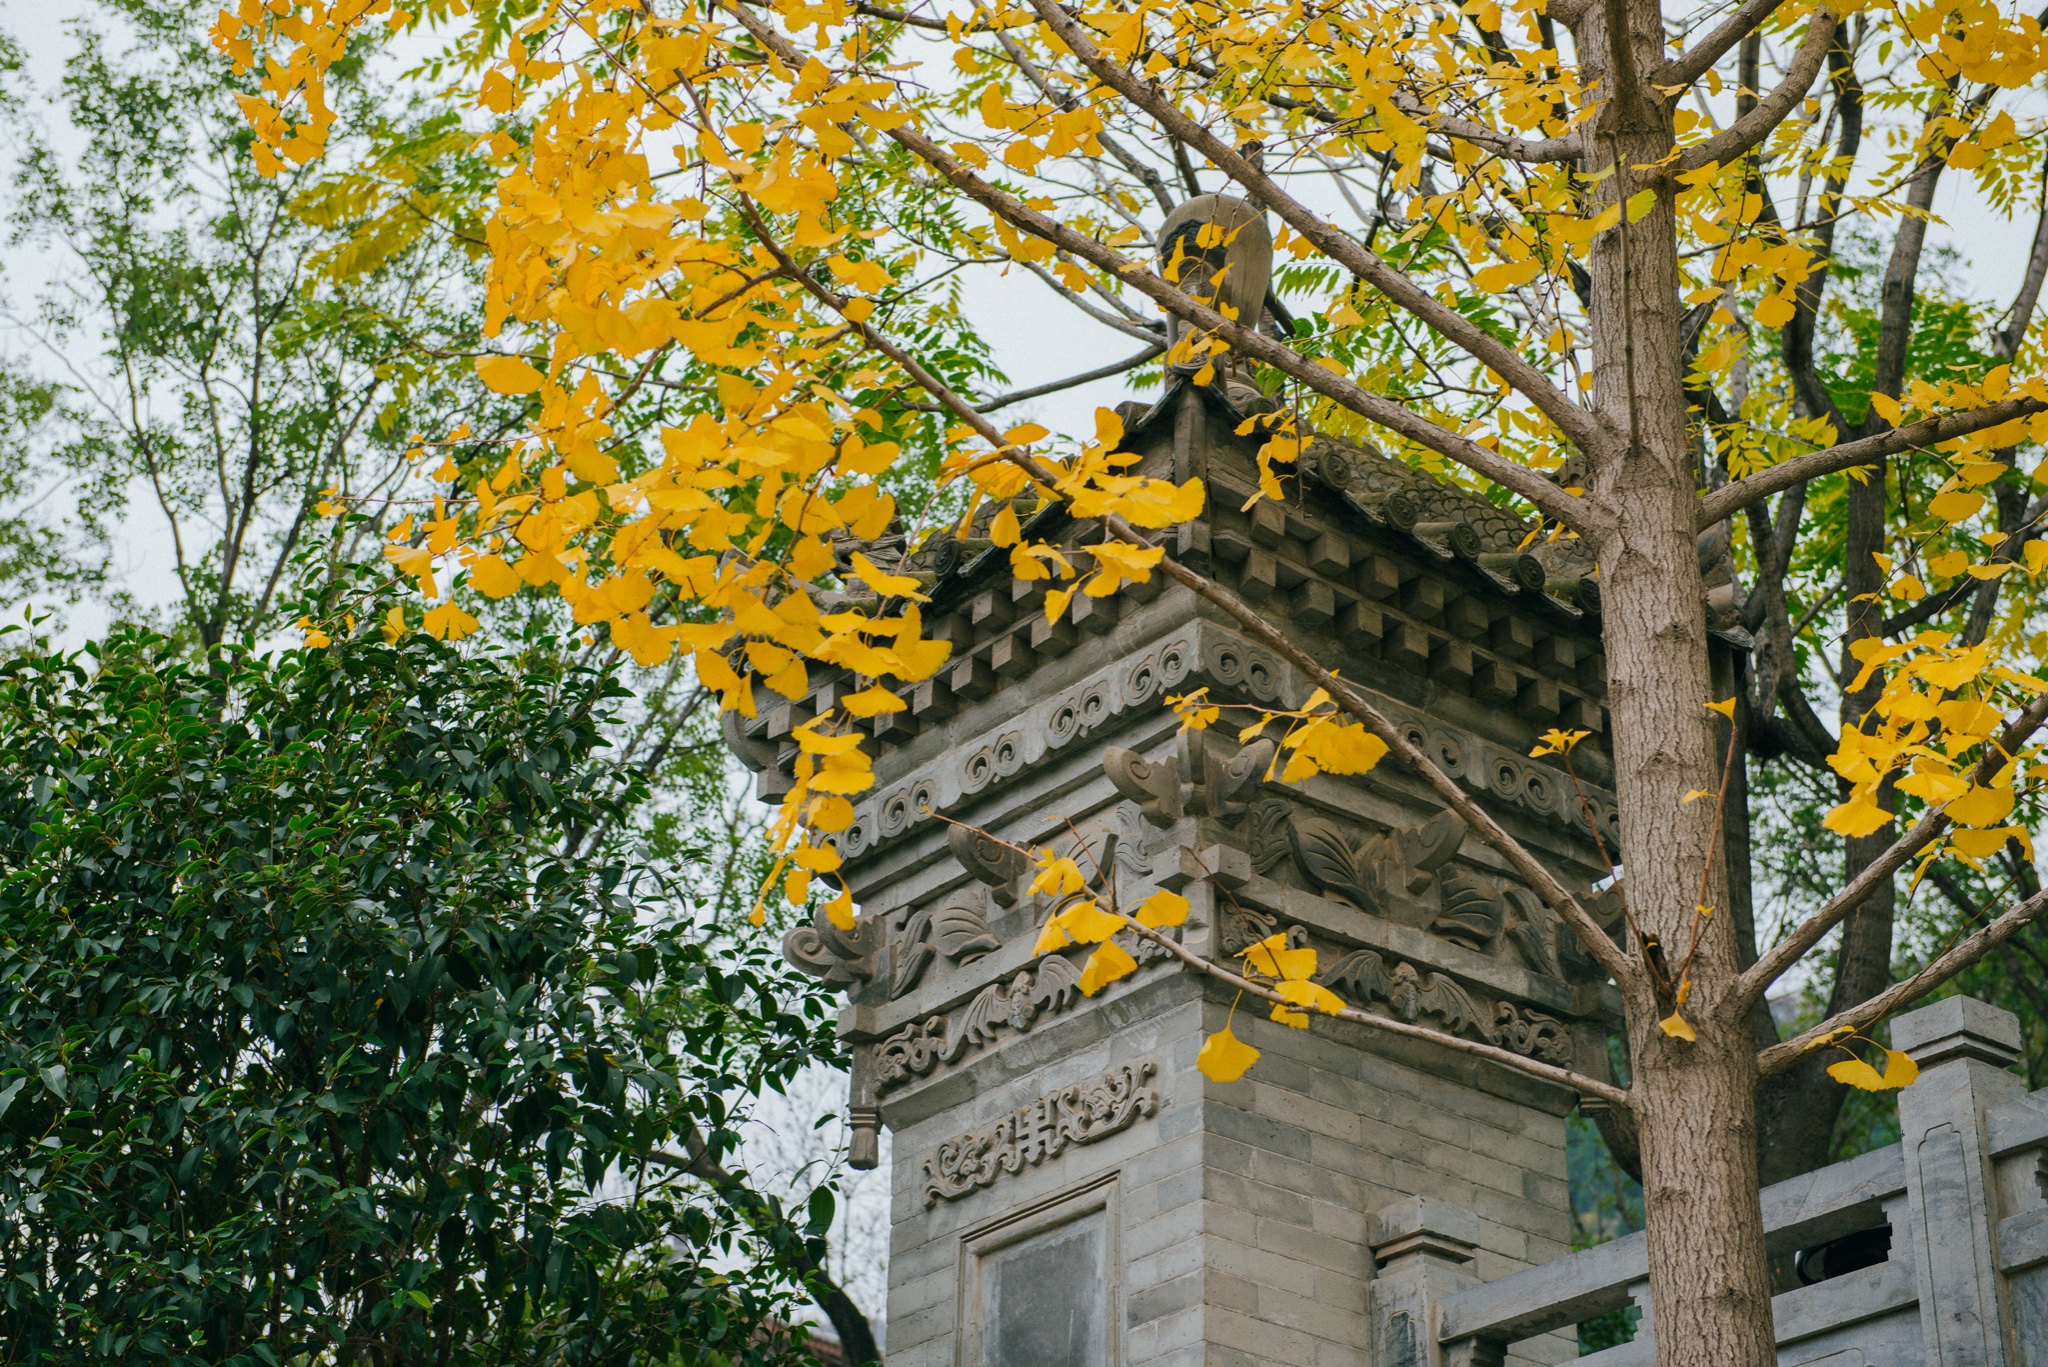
(1691, 64)
(1583, 428)
(2006, 341)
(1753, 127)
(1944, 966)
(1036, 391)
(1864, 451)
(1569, 509)
(1579, 1082)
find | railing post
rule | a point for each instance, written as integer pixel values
(1963, 1047)
(1422, 1248)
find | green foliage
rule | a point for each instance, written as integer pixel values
(319, 1044)
(215, 350)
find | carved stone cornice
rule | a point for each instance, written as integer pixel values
(1191, 655)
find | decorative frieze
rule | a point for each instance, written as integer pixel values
(1031, 1134)
(1016, 1005)
(1365, 978)
(1046, 726)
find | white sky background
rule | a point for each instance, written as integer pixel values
(1035, 339)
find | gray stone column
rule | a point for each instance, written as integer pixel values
(1963, 1047)
(1422, 1248)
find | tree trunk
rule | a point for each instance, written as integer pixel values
(1710, 1289)
(1697, 1106)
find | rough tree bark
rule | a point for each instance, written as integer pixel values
(1695, 1101)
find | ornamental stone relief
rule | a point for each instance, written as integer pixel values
(1235, 667)
(1031, 1134)
(1014, 1005)
(957, 930)
(1366, 978)
(1046, 726)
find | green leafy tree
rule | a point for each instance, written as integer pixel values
(215, 354)
(318, 1045)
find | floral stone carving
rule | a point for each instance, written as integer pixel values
(1016, 1005)
(1043, 1129)
(1369, 872)
(1409, 993)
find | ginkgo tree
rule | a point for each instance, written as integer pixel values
(1577, 254)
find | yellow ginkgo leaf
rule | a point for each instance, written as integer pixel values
(882, 582)
(1977, 844)
(1858, 816)
(1981, 806)
(1224, 1057)
(1090, 924)
(1899, 1069)
(1678, 1027)
(1931, 785)
(1506, 275)
(1726, 707)
(1058, 877)
(839, 911)
(872, 702)
(491, 576)
(1163, 908)
(1288, 1016)
(449, 623)
(1051, 938)
(1955, 505)
(508, 375)
(1301, 993)
(1556, 742)
(1854, 1072)
(1108, 963)
(1272, 957)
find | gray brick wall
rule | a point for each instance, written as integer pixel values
(1241, 1207)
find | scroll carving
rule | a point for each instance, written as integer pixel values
(957, 930)
(1226, 783)
(921, 1046)
(836, 956)
(988, 860)
(1266, 833)
(1198, 781)
(961, 932)
(913, 952)
(1153, 784)
(1031, 1134)
(1411, 994)
(1367, 872)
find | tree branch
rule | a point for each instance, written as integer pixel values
(1946, 965)
(1753, 127)
(1503, 145)
(1691, 64)
(1053, 387)
(1548, 1072)
(1580, 426)
(1863, 451)
(856, 1336)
